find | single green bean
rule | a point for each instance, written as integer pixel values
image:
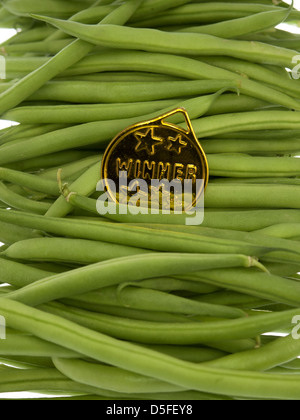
(68, 250)
(51, 7)
(26, 345)
(281, 230)
(251, 146)
(122, 270)
(244, 166)
(243, 26)
(86, 92)
(74, 114)
(44, 47)
(276, 353)
(247, 196)
(138, 297)
(111, 378)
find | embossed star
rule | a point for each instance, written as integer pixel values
(176, 144)
(147, 141)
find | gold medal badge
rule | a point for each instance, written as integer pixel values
(155, 150)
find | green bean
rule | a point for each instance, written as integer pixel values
(262, 196)
(281, 230)
(196, 13)
(261, 285)
(232, 103)
(51, 7)
(130, 313)
(243, 26)
(282, 350)
(27, 362)
(243, 166)
(44, 47)
(243, 219)
(169, 284)
(22, 203)
(68, 250)
(177, 66)
(30, 181)
(86, 184)
(32, 35)
(123, 76)
(66, 58)
(45, 162)
(71, 169)
(154, 300)
(284, 246)
(122, 270)
(255, 72)
(226, 297)
(145, 332)
(250, 146)
(111, 378)
(129, 357)
(248, 121)
(35, 131)
(140, 237)
(123, 92)
(16, 345)
(20, 275)
(10, 234)
(151, 40)
(74, 114)
(11, 131)
(18, 380)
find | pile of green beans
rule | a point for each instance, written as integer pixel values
(148, 307)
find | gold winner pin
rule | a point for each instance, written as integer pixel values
(158, 161)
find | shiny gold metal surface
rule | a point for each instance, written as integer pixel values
(155, 150)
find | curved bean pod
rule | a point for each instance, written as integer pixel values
(276, 353)
(242, 26)
(139, 297)
(68, 250)
(122, 270)
(111, 378)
